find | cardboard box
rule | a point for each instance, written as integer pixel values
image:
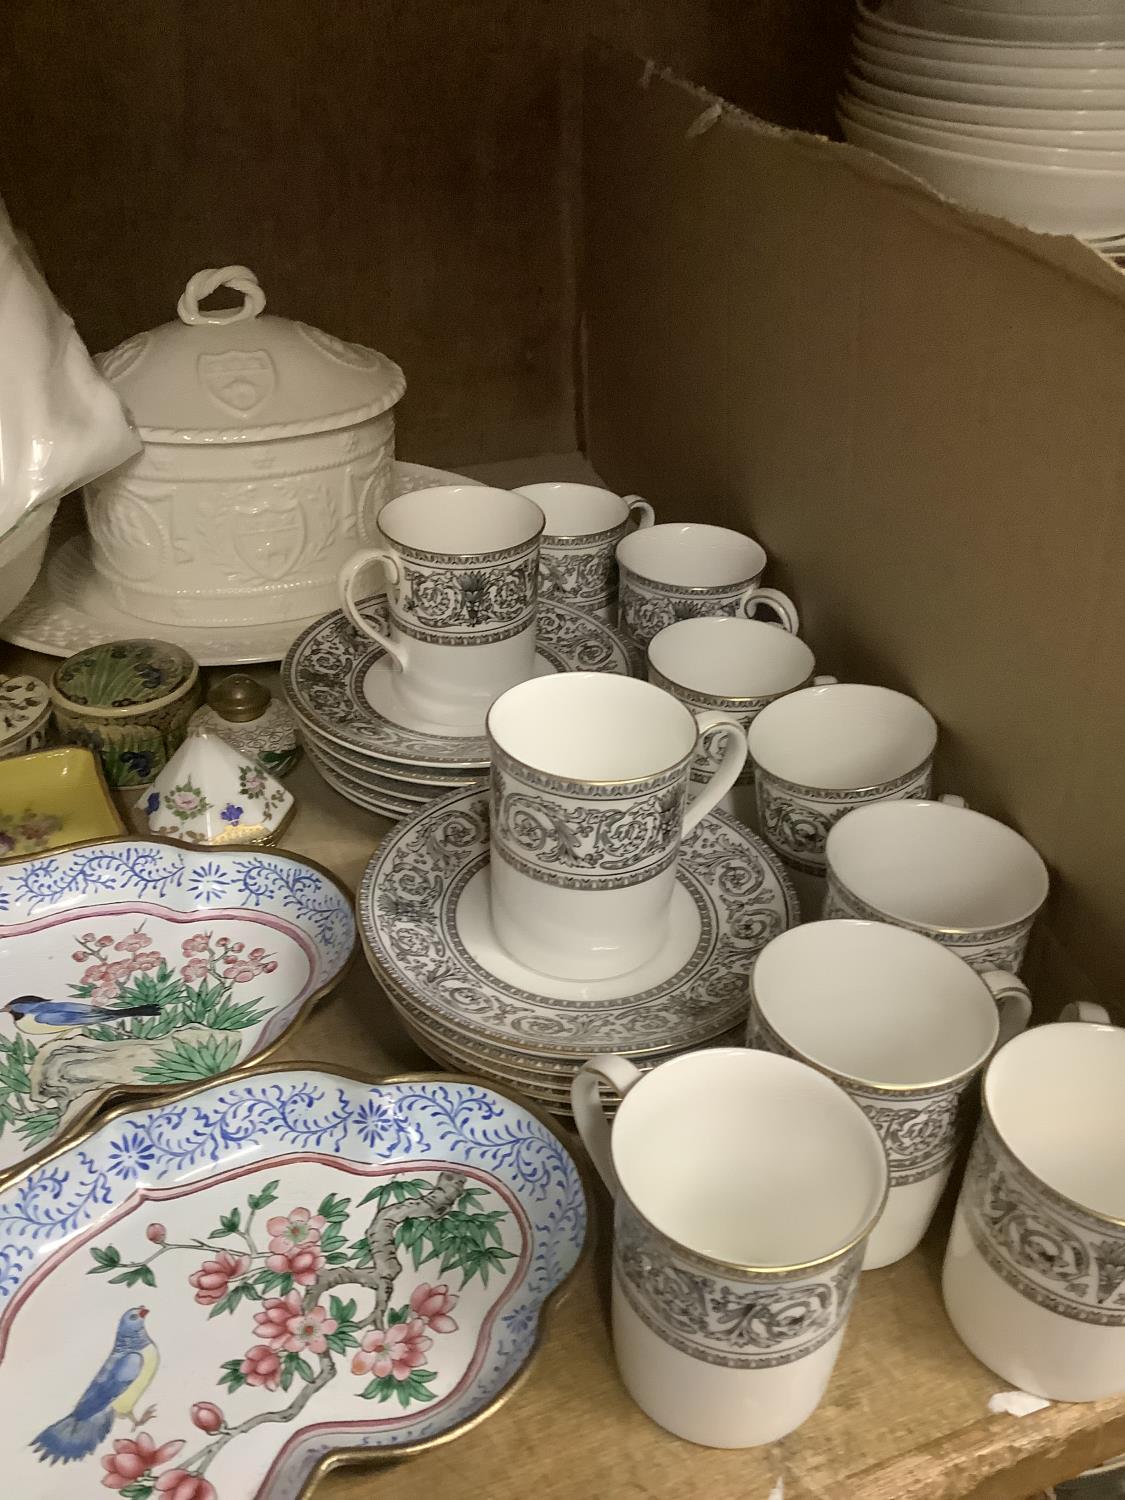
(918, 411)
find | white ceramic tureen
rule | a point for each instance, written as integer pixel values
(268, 453)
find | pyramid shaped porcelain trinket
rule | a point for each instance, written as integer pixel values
(209, 794)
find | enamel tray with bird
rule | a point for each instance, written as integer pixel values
(271, 1275)
(139, 966)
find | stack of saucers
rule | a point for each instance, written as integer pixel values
(424, 910)
(341, 689)
(1016, 107)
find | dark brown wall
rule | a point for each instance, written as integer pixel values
(396, 171)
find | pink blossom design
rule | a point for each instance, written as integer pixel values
(262, 1366)
(294, 1230)
(207, 1416)
(194, 971)
(100, 976)
(179, 1484)
(272, 1324)
(303, 1265)
(200, 943)
(146, 961)
(156, 1234)
(131, 1457)
(240, 973)
(310, 1330)
(392, 1351)
(433, 1304)
(212, 1280)
(134, 943)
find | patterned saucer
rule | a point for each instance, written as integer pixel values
(522, 1071)
(399, 780)
(70, 608)
(370, 798)
(324, 671)
(424, 915)
(287, 1270)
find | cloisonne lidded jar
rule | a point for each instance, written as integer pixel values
(268, 453)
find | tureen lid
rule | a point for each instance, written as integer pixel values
(239, 375)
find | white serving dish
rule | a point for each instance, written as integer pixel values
(1052, 200)
(953, 24)
(1096, 142)
(979, 50)
(997, 115)
(988, 73)
(1051, 9)
(268, 453)
(947, 138)
(69, 606)
(980, 93)
(21, 554)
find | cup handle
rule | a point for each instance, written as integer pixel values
(586, 1107)
(781, 604)
(825, 680)
(730, 767)
(640, 511)
(346, 584)
(1013, 1001)
(1085, 1010)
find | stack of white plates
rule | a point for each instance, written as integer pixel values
(425, 915)
(341, 688)
(1016, 107)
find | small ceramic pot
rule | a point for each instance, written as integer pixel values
(128, 700)
(241, 712)
(210, 794)
(25, 711)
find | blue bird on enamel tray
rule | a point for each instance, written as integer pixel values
(114, 1392)
(37, 1017)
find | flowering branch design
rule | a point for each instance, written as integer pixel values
(291, 1274)
(144, 1018)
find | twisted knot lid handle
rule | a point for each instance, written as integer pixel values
(203, 283)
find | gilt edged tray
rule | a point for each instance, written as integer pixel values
(269, 1276)
(139, 966)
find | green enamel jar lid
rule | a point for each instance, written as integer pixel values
(121, 678)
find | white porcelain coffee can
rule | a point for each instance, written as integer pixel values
(268, 453)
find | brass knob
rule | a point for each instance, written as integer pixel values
(238, 698)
